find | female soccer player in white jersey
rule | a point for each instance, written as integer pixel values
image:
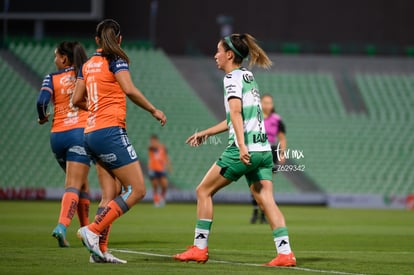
(248, 152)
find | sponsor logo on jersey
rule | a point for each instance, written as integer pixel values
(94, 64)
(230, 89)
(93, 67)
(46, 80)
(256, 94)
(259, 138)
(67, 80)
(122, 65)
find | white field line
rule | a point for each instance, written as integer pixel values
(237, 263)
(309, 251)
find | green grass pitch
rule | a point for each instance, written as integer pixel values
(326, 241)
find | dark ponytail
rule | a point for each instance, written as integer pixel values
(108, 32)
(75, 53)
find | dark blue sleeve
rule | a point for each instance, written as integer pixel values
(44, 96)
(118, 65)
(42, 103)
(80, 73)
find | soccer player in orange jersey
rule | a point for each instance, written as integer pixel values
(66, 137)
(158, 164)
(105, 81)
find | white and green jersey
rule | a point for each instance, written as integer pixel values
(240, 83)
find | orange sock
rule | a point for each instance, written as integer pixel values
(112, 211)
(104, 239)
(68, 206)
(83, 209)
(156, 198)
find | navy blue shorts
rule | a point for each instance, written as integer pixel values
(156, 174)
(111, 147)
(69, 146)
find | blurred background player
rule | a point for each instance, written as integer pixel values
(248, 152)
(107, 80)
(276, 135)
(158, 165)
(66, 137)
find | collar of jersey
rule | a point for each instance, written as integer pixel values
(239, 68)
(98, 52)
(65, 69)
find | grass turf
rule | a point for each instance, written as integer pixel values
(324, 240)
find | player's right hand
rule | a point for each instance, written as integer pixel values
(159, 115)
(196, 139)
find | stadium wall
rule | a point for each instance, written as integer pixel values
(330, 200)
(187, 26)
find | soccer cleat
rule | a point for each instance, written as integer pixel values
(59, 233)
(108, 258)
(90, 240)
(161, 202)
(263, 218)
(283, 260)
(93, 259)
(193, 254)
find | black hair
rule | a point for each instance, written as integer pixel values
(75, 53)
(108, 32)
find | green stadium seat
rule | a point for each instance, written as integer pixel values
(344, 152)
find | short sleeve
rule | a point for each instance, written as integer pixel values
(118, 65)
(47, 84)
(282, 127)
(232, 87)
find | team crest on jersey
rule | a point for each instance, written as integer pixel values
(248, 78)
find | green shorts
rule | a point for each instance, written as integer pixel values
(233, 168)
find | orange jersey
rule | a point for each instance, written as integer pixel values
(61, 86)
(106, 99)
(157, 158)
